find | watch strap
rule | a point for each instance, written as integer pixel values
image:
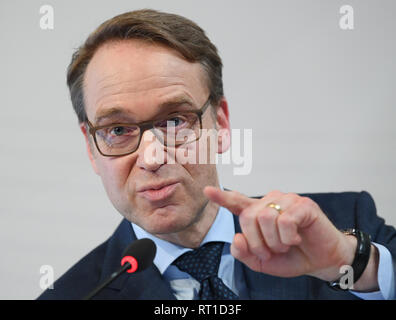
(361, 258)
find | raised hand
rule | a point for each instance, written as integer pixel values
(296, 240)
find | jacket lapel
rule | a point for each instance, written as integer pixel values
(146, 285)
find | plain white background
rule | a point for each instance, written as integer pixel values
(320, 101)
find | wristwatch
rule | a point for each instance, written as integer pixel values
(360, 261)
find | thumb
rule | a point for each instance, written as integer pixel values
(239, 247)
(240, 251)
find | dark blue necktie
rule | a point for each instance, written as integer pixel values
(203, 265)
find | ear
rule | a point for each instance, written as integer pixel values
(223, 126)
(90, 147)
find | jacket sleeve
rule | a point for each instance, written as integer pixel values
(367, 220)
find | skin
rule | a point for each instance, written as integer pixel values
(138, 77)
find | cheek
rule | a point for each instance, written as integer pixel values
(200, 165)
(114, 173)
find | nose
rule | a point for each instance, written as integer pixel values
(151, 153)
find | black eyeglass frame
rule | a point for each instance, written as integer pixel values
(144, 126)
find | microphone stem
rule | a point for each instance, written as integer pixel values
(112, 277)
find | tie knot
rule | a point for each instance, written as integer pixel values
(203, 262)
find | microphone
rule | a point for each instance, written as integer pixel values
(138, 256)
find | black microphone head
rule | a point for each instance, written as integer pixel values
(143, 250)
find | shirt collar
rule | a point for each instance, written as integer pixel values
(222, 229)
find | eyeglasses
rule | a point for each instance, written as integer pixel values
(120, 139)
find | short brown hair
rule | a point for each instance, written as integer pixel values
(171, 30)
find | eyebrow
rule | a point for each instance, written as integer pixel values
(120, 112)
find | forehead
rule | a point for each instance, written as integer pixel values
(134, 70)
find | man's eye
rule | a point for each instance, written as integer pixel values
(175, 122)
(171, 122)
(118, 131)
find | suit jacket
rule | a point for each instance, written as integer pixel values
(345, 210)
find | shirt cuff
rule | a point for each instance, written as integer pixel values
(386, 275)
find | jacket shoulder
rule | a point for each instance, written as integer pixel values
(92, 269)
(346, 209)
(80, 279)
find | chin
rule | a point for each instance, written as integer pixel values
(166, 220)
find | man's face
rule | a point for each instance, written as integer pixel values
(147, 81)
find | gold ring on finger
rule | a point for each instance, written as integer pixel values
(275, 206)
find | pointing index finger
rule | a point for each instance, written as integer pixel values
(232, 200)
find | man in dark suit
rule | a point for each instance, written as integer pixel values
(145, 87)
